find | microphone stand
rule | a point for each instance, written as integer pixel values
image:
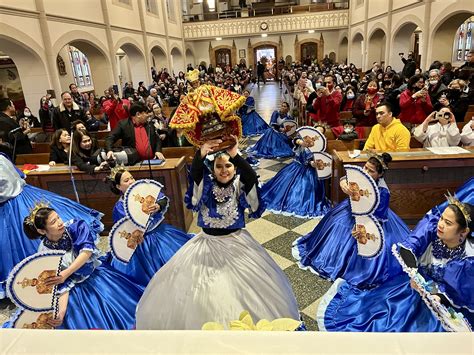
(70, 169)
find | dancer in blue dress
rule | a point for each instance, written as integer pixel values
(159, 245)
(441, 248)
(330, 250)
(296, 190)
(274, 143)
(91, 295)
(16, 200)
(252, 123)
(222, 271)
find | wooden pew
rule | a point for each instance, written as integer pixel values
(38, 158)
(178, 152)
(100, 134)
(40, 147)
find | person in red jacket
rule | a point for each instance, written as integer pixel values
(115, 108)
(327, 103)
(415, 102)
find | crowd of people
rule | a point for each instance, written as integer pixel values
(179, 281)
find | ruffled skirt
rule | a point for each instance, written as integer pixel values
(14, 244)
(215, 278)
(157, 248)
(272, 144)
(331, 252)
(253, 124)
(391, 307)
(296, 190)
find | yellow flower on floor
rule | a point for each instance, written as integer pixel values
(245, 322)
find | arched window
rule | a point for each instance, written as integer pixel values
(463, 42)
(80, 67)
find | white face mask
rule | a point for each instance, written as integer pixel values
(350, 96)
(433, 82)
(347, 130)
(27, 114)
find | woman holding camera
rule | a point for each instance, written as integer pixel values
(439, 129)
(415, 102)
(83, 148)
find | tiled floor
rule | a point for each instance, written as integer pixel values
(275, 232)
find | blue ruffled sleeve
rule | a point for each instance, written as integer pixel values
(119, 211)
(198, 193)
(381, 212)
(82, 237)
(423, 234)
(274, 118)
(250, 102)
(458, 285)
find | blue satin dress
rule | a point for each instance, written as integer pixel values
(157, 248)
(331, 252)
(395, 306)
(252, 123)
(16, 200)
(273, 143)
(295, 190)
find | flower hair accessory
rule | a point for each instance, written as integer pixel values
(30, 220)
(379, 158)
(115, 170)
(452, 200)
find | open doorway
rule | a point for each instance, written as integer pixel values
(267, 54)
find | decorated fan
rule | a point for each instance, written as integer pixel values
(138, 198)
(289, 127)
(26, 285)
(370, 236)
(25, 319)
(315, 140)
(207, 112)
(451, 320)
(124, 238)
(323, 162)
(364, 197)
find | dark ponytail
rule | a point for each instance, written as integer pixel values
(115, 182)
(40, 220)
(385, 157)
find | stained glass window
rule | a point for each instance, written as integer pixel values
(80, 67)
(463, 43)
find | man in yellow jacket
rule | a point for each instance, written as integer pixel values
(389, 134)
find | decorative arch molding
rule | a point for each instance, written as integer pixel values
(213, 50)
(23, 40)
(158, 44)
(342, 35)
(455, 9)
(407, 20)
(354, 35)
(319, 43)
(82, 36)
(377, 26)
(128, 41)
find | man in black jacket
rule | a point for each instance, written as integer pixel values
(10, 130)
(67, 112)
(409, 66)
(138, 133)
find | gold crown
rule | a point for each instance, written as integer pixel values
(30, 220)
(379, 158)
(115, 170)
(192, 75)
(452, 200)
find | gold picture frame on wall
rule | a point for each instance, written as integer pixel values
(241, 53)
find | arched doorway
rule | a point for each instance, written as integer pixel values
(177, 61)
(309, 52)
(444, 36)
(158, 58)
(190, 57)
(87, 56)
(343, 46)
(376, 48)
(406, 39)
(356, 50)
(223, 57)
(131, 64)
(268, 54)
